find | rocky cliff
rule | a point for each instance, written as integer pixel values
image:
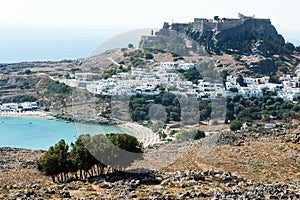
(230, 34)
(260, 27)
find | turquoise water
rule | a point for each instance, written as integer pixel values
(40, 133)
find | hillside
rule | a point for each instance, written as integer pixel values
(247, 166)
(245, 45)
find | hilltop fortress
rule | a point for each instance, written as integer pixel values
(202, 25)
(231, 28)
(220, 30)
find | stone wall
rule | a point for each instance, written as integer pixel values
(203, 25)
(228, 23)
(257, 26)
(180, 27)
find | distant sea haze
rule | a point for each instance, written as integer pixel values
(46, 49)
(17, 44)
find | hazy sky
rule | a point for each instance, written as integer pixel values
(71, 18)
(138, 13)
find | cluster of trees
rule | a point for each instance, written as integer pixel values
(136, 57)
(110, 72)
(139, 107)
(89, 156)
(192, 75)
(265, 108)
(58, 88)
(238, 109)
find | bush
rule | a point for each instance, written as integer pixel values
(233, 89)
(149, 56)
(130, 46)
(27, 71)
(236, 57)
(236, 125)
(57, 87)
(189, 135)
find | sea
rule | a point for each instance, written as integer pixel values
(41, 133)
(51, 44)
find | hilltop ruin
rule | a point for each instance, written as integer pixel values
(215, 32)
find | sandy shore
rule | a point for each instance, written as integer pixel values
(144, 134)
(26, 114)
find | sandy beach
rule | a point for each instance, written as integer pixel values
(26, 114)
(145, 135)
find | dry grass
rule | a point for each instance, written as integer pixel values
(270, 161)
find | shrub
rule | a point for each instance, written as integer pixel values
(236, 125)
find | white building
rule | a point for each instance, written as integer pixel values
(297, 71)
(19, 107)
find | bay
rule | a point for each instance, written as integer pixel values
(41, 133)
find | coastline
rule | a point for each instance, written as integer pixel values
(144, 134)
(40, 114)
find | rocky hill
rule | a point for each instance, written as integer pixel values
(243, 166)
(254, 44)
(221, 34)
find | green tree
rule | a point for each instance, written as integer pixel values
(81, 158)
(233, 89)
(192, 75)
(47, 164)
(216, 18)
(149, 56)
(89, 155)
(236, 125)
(55, 161)
(289, 48)
(67, 75)
(116, 150)
(240, 81)
(130, 46)
(224, 74)
(27, 71)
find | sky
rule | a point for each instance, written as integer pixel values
(57, 29)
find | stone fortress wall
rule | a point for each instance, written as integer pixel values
(202, 25)
(226, 28)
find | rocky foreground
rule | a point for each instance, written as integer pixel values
(250, 166)
(157, 185)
